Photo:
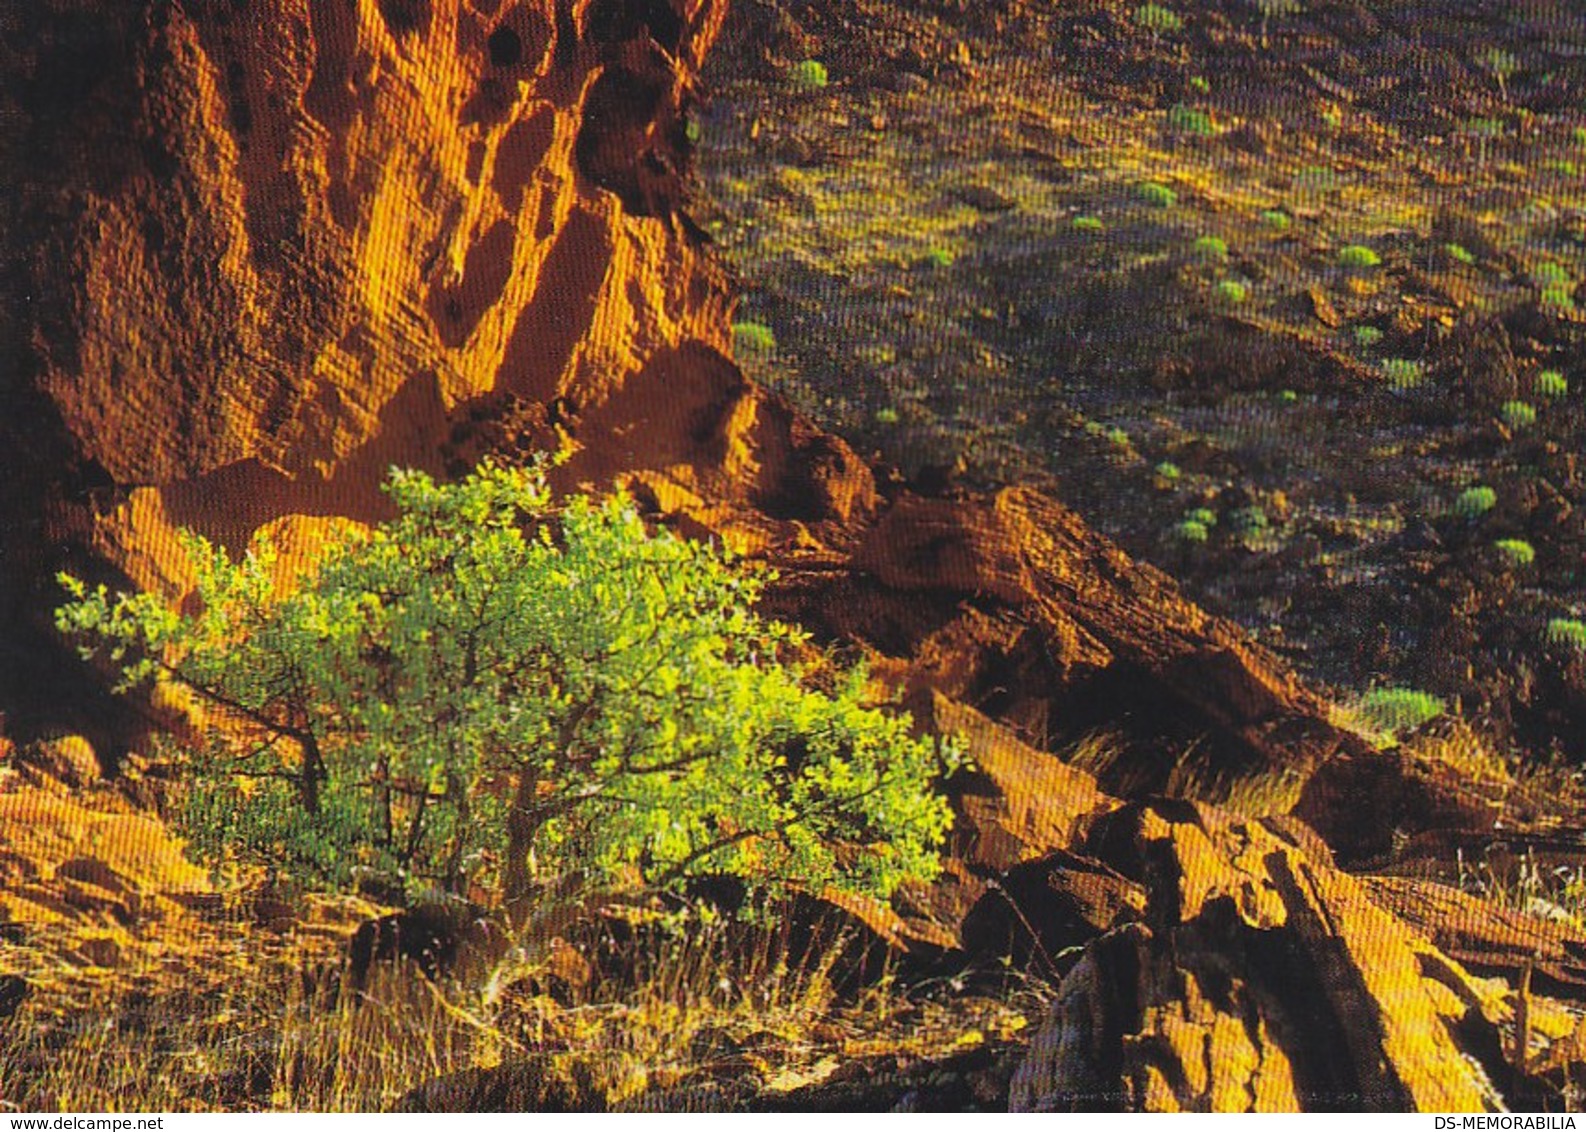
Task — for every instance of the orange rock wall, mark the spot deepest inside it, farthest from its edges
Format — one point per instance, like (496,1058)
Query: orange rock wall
(256,252)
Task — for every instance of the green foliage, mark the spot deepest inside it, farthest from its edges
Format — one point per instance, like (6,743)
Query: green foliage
(753,338)
(1547,273)
(1358,255)
(1199,85)
(1367,336)
(1213,248)
(1459,254)
(1500,64)
(1396,710)
(1288,396)
(493,688)
(939,258)
(811,74)
(1232,292)
(1156,19)
(1191,531)
(1191,120)
(1403,373)
(1271,8)
(1205,516)
(1248,521)
(1157,194)
(1566,634)
(1551,383)
(1484,130)
(1276,219)
(886,416)
(1578,135)
(1475,502)
(1559,295)
(1516,551)
(1517,414)
(1169,471)
(1117,437)
(1278,7)
(1088,224)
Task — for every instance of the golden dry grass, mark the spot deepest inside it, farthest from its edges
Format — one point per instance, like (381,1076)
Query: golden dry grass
(228,1017)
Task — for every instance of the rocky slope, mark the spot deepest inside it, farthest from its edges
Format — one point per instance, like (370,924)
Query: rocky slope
(253,255)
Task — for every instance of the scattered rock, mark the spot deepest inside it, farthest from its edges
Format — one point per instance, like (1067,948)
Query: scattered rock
(69,760)
(535,1083)
(445,939)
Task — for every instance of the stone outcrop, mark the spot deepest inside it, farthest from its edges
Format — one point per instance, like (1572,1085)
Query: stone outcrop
(1260,979)
(68,858)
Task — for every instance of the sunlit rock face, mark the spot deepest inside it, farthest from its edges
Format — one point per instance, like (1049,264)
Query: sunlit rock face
(256,251)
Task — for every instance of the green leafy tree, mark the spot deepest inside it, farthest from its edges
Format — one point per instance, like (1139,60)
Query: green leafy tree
(497,689)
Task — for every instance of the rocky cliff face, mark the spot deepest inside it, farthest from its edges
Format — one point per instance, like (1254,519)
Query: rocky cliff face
(253,253)
(256,253)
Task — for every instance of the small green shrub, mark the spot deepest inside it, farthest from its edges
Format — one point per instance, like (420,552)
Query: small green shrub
(1459,254)
(1156,19)
(811,74)
(1276,219)
(1232,292)
(1205,516)
(1517,414)
(1551,383)
(1358,255)
(1403,373)
(1560,165)
(1516,551)
(1566,633)
(1169,471)
(1157,194)
(753,338)
(1191,120)
(1395,710)
(1500,64)
(1248,521)
(1484,130)
(1367,336)
(1548,273)
(1190,531)
(1199,85)
(1117,437)
(1088,224)
(1560,296)
(1288,396)
(1211,248)
(939,258)
(1475,502)
(1578,135)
